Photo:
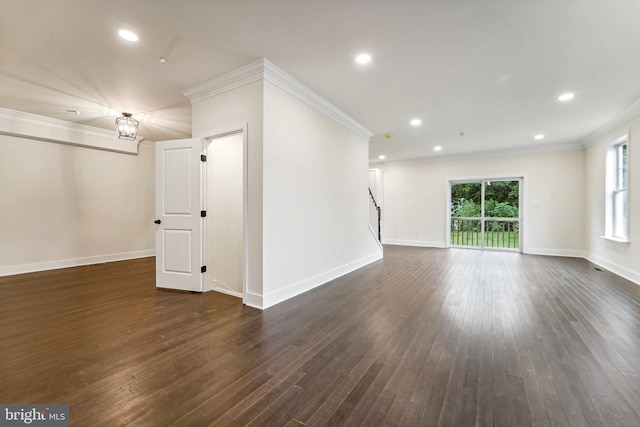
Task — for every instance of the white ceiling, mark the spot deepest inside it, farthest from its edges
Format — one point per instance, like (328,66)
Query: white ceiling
(491,69)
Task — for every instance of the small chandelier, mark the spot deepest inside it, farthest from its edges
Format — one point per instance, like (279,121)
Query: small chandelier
(127,127)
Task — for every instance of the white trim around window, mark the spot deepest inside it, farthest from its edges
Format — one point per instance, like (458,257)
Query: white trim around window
(617,190)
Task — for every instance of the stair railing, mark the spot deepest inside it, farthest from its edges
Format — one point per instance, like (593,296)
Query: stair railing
(375,215)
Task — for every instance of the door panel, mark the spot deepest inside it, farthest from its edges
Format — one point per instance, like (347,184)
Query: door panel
(176,181)
(178,205)
(177,251)
(466,214)
(501,214)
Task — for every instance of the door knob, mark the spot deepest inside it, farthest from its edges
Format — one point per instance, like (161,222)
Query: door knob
(157,221)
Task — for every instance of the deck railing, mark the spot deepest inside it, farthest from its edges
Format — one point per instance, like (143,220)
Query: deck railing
(498,232)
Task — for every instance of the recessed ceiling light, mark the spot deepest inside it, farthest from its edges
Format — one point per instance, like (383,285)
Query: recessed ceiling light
(539,136)
(416,122)
(566,96)
(73,111)
(382,157)
(128,35)
(437,148)
(363,58)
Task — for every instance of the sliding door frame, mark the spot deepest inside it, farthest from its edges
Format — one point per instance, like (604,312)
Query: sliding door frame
(482,218)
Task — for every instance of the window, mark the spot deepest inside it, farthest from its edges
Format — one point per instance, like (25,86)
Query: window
(617,215)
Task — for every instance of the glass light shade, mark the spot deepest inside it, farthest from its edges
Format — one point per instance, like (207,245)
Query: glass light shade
(127,127)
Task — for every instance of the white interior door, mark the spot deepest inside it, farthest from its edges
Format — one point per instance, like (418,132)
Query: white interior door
(178,219)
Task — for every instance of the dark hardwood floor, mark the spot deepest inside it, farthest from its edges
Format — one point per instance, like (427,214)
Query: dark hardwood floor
(424,337)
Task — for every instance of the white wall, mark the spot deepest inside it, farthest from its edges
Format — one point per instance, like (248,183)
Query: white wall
(316,210)
(64,205)
(241,106)
(415,205)
(622,258)
(307,201)
(225,212)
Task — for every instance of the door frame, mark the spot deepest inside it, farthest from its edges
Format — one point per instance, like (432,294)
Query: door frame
(520,179)
(212,135)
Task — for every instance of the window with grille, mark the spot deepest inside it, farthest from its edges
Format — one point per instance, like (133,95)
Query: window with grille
(617,203)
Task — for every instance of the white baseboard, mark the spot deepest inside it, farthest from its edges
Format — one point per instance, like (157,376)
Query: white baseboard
(227,292)
(219,286)
(621,271)
(554,252)
(306,285)
(253,300)
(10,270)
(418,243)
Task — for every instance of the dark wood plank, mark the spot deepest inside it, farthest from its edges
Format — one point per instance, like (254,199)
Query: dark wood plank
(423,337)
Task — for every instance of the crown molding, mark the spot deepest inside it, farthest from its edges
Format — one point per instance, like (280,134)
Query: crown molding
(618,120)
(263,69)
(538,149)
(242,76)
(284,81)
(31,126)
(610,126)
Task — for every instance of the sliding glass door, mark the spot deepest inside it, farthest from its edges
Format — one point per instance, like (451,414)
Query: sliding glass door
(485,214)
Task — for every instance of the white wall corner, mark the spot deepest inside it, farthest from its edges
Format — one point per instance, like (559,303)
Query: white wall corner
(31,126)
(263,69)
(254,300)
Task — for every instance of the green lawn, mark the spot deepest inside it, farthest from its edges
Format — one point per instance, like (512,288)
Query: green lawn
(493,239)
